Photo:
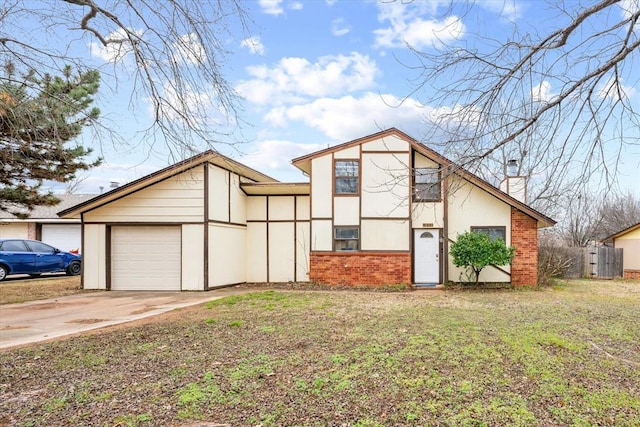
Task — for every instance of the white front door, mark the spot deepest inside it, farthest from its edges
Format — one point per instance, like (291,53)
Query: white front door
(426,256)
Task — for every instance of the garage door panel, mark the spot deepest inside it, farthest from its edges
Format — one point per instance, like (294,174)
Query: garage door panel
(146,258)
(65,237)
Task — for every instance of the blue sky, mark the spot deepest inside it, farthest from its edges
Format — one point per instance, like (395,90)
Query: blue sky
(314,74)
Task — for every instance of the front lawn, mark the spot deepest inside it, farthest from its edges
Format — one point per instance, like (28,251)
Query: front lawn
(563,356)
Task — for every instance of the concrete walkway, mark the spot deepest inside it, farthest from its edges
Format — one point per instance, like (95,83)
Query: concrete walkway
(43,320)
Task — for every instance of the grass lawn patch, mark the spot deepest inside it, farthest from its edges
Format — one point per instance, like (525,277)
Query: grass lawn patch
(568,355)
(15,291)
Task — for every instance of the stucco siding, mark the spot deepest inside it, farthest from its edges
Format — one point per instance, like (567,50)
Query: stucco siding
(238,200)
(348,153)
(631,251)
(421,161)
(281,252)
(94,261)
(426,213)
(281,208)
(302,252)
(257,208)
(384,235)
(321,235)
(227,255)
(15,230)
(385,185)
(470,206)
(176,199)
(256,264)
(346,210)
(321,190)
(388,143)
(192,257)
(218,194)
(302,208)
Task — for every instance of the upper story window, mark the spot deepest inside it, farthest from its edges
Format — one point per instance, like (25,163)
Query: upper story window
(346,176)
(426,185)
(493,232)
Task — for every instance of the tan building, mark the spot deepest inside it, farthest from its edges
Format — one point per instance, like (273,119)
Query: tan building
(629,240)
(377,210)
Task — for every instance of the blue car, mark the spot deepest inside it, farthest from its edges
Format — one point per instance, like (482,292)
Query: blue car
(18,256)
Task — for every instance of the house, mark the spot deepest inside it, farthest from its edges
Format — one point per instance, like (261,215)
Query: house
(381,209)
(45,225)
(629,240)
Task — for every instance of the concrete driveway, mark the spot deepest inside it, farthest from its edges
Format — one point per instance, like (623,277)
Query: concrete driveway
(43,320)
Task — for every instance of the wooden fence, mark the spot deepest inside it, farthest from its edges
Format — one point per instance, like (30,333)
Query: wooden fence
(598,262)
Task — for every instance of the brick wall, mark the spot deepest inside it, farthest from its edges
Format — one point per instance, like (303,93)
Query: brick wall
(359,268)
(631,274)
(524,236)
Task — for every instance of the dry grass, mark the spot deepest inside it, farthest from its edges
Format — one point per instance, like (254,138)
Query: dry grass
(15,291)
(567,355)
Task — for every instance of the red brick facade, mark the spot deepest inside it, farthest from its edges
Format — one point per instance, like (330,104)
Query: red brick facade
(360,268)
(631,274)
(524,236)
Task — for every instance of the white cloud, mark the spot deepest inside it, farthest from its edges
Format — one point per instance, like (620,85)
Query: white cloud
(339,27)
(407,25)
(629,7)
(276,155)
(189,50)
(116,51)
(296,5)
(271,7)
(348,117)
(542,92)
(293,78)
(330,2)
(254,45)
(507,9)
(615,90)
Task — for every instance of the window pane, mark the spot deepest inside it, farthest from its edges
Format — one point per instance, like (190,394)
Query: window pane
(426,175)
(427,192)
(40,247)
(426,184)
(346,245)
(346,168)
(346,185)
(493,232)
(13,246)
(346,233)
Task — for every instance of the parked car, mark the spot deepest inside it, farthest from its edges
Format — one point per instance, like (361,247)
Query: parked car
(19,256)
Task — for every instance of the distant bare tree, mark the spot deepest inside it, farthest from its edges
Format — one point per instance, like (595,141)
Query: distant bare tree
(172,50)
(559,102)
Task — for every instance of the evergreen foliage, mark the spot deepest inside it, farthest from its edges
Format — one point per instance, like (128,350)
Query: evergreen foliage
(40,116)
(476,250)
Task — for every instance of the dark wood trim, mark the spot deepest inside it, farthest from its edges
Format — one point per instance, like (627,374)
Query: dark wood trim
(267,236)
(502,270)
(445,229)
(251,221)
(360,253)
(107,255)
(384,152)
(144,223)
(205,224)
(412,154)
(323,218)
(82,250)
(235,224)
(229,196)
(384,218)
(295,239)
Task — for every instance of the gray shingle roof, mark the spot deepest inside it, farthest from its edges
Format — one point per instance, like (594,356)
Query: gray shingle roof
(48,212)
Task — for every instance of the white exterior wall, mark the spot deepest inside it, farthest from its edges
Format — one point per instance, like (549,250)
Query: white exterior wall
(94,260)
(192,257)
(176,199)
(218,194)
(227,255)
(303,208)
(630,242)
(302,251)
(257,208)
(321,235)
(346,210)
(348,153)
(470,206)
(281,208)
(385,185)
(281,252)
(256,264)
(238,200)
(321,186)
(388,143)
(13,229)
(384,235)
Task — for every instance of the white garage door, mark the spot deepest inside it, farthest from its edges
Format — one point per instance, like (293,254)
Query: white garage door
(14,230)
(65,237)
(145,258)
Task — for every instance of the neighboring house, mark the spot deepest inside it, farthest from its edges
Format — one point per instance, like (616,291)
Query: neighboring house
(629,240)
(44,224)
(377,210)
